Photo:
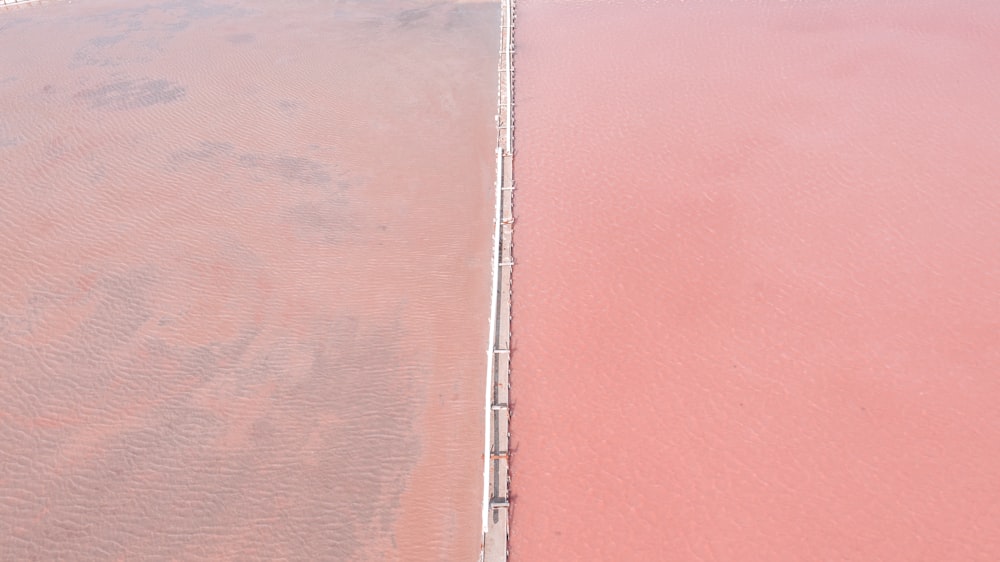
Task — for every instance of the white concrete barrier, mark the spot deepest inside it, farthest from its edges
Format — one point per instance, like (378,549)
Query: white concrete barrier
(496,501)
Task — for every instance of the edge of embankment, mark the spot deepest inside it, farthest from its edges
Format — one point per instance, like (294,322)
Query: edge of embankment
(496,476)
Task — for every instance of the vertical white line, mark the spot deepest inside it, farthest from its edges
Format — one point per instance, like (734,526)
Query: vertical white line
(508,43)
(504,89)
(490,355)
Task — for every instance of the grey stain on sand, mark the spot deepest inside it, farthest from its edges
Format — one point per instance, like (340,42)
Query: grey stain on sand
(321,211)
(289,169)
(461,16)
(288,108)
(205,152)
(240,38)
(107,40)
(295,170)
(133,94)
(8,138)
(99,52)
(302,170)
(413,15)
(140,34)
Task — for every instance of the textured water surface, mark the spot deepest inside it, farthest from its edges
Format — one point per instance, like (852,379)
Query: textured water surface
(757,292)
(244,276)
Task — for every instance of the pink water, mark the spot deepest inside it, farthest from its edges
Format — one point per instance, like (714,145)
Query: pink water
(244,278)
(757,292)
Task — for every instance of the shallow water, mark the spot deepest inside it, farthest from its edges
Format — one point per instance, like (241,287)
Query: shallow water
(245,272)
(756,310)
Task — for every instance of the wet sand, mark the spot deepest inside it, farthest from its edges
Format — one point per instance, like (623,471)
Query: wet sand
(245,278)
(757,291)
